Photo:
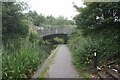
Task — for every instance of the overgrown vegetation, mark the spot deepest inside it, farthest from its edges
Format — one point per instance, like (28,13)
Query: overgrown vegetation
(98,30)
(23,50)
(23,63)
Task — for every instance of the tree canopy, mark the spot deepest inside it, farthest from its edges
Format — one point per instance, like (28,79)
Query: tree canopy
(96,15)
(41,20)
(13,23)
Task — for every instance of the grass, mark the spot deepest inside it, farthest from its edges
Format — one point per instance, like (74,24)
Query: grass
(43,73)
(22,64)
(84,74)
(81,69)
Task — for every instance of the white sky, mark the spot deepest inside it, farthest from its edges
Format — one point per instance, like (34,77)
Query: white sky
(55,7)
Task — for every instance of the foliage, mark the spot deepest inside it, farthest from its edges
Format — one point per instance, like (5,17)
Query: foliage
(33,38)
(23,63)
(98,30)
(42,21)
(13,24)
(83,47)
(37,20)
(96,15)
(23,51)
(59,40)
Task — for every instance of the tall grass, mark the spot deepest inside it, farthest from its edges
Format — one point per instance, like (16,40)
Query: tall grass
(23,63)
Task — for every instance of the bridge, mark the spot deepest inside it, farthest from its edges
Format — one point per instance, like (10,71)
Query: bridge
(54,32)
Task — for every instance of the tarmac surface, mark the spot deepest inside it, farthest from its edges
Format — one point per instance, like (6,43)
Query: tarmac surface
(61,66)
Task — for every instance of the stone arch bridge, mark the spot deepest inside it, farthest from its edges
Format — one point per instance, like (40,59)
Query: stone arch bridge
(52,32)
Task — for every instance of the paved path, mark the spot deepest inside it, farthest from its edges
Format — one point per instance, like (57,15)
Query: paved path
(61,66)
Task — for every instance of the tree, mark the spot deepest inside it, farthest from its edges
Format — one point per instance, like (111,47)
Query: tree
(96,15)
(98,29)
(35,18)
(41,20)
(13,24)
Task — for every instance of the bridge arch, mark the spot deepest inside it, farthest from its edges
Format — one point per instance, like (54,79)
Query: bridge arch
(59,32)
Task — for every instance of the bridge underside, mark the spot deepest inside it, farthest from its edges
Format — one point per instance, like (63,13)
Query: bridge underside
(55,35)
(63,36)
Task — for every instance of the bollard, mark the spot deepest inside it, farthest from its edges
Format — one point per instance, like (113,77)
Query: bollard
(95,61)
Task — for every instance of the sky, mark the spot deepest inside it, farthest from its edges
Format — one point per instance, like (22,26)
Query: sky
(55,7)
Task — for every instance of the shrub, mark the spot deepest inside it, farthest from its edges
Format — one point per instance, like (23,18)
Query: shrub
(104,41)
(23,63)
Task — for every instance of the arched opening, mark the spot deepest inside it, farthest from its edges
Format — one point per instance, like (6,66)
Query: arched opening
(56,38)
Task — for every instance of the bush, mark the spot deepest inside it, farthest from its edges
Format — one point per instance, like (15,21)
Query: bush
(59,40)
(23,63)
(104,41)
